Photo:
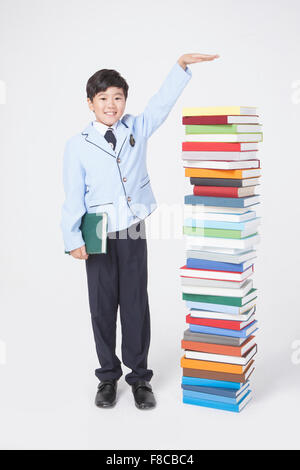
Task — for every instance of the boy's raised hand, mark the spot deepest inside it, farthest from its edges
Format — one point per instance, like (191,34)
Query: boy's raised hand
(79,253)
(187,59)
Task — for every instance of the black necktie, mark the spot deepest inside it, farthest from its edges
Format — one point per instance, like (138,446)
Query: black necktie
(110,137)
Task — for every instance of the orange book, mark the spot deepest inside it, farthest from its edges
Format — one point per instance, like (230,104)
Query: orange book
(212,375)
(237,351)
(213,366)
(209,173)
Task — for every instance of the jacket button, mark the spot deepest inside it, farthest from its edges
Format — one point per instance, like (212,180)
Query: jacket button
(118,160)
(129,199)
(124,179)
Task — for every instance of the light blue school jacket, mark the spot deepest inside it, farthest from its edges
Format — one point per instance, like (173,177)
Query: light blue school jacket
(97,178)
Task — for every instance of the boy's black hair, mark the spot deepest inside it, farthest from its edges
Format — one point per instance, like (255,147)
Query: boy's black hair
(103,79)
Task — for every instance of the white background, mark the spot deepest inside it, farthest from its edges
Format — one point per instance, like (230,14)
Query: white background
(48,50)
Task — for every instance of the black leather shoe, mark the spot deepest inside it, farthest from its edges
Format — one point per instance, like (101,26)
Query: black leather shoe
(106,394)
(143,395)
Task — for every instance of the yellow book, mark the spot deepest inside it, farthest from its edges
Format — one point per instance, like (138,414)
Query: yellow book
(233,174)
(220,111)
(212,366)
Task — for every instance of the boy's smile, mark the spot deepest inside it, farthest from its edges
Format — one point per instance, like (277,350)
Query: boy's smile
(108,105)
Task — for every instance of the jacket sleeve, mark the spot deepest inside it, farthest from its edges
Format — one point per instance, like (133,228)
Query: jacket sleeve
(74,207)
(163,101)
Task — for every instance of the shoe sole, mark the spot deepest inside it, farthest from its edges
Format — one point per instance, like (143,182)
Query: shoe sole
(143,407)
(108,405)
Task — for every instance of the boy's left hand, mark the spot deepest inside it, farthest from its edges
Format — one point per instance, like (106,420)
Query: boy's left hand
(187,59)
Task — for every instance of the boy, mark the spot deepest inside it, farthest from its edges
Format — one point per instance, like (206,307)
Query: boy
(105,171)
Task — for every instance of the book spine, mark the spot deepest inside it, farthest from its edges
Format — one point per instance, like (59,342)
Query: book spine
(212,146)
(217,191)
(195,263)
(212,232)
(231,325)
(200,120)
(236,183)
(206,129)
(212,348)
(216,201)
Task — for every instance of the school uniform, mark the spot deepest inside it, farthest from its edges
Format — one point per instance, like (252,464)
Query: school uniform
(98,178)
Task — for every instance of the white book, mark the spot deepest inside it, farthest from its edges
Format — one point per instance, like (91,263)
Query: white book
(214,249)
(218,217)
(223,137)
(199,208)
(242,361)
(207,155)
(221,275)
(221,316)
(197,281)
(223,243)
(226,292)
(245,257)
(221,164)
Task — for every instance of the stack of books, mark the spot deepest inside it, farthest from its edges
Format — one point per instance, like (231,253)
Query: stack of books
(220,156)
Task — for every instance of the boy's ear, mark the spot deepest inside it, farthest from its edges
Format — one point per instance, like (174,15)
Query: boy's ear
(90,104)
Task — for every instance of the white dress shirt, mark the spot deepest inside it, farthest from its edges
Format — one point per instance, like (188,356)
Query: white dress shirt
(102,128)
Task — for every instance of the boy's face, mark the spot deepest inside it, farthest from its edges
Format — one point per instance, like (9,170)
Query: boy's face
(108,105)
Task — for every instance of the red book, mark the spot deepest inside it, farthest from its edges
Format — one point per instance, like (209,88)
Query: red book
(211,120)
(223,191)
(228,324)
(215,146)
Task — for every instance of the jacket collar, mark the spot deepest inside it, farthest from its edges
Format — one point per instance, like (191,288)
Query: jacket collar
(93,136)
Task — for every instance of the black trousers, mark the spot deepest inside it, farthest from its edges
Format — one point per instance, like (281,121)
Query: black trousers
(119,278)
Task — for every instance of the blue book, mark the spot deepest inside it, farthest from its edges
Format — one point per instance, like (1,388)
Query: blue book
(222,392)
(218,307)
(196,263)
(209,397)
(190,222)
(244,333)
(219,405)
(210,383)
(222,201)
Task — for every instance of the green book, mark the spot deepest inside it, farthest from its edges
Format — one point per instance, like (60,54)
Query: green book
(212,232)
(94,232)
(219,299)
(223,129)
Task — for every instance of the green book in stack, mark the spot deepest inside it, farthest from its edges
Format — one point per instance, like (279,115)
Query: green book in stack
(223,129)
(219,299)
(94,232)
(216,232)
